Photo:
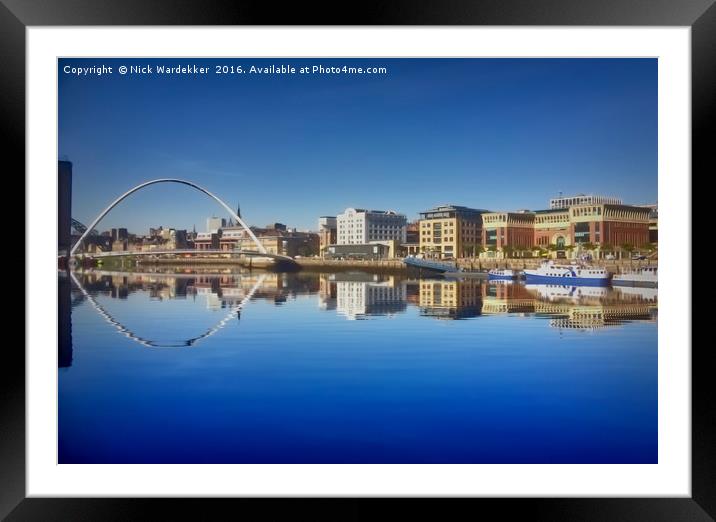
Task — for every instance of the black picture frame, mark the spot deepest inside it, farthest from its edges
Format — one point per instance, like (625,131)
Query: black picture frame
(700,15)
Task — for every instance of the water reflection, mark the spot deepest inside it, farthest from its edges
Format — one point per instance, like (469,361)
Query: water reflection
(451,298)
(216,299)
(353,295)
(178,365)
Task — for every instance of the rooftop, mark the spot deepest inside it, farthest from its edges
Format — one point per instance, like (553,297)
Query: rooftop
(454,208)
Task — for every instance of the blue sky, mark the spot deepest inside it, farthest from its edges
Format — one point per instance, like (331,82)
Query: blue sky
(501,134)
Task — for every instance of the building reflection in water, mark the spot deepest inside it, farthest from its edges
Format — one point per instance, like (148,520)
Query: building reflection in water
(589,308)
(450,298)
(355,296)
(361,295)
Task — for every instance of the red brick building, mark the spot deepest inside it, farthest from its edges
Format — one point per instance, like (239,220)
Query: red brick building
(511,229)
(610,224)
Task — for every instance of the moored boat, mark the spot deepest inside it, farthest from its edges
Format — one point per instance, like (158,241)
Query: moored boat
(549,272)
(502,273)
(645,276)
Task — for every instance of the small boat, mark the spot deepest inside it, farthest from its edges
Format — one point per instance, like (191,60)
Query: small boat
(570,275)
(502,273)
(646,276)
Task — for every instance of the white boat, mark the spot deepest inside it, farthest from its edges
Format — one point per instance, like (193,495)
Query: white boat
(502,273)
(549,272)
(646,276)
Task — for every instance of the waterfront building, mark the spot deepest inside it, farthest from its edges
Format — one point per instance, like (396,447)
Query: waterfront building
(552,227)
(358,226)
(327,232)
(582,199)
(412,239)
(206,241)
(450,231)
(611,224)
(597,224)
(275,241)
(653,222)
(64,206)
(508,229)
(366,251)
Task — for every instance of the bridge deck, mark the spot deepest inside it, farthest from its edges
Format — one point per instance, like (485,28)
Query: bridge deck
(183,252)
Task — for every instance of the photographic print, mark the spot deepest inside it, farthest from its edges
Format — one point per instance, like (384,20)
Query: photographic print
(357,261)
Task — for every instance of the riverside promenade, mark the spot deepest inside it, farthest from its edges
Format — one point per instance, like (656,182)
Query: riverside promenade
(392,265)
(468,264)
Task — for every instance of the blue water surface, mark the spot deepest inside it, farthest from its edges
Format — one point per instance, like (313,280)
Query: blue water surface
(354,368)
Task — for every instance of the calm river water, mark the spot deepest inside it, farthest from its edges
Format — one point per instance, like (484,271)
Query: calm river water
(260,367)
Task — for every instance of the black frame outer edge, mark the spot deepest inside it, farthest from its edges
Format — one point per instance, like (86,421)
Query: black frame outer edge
(15,15)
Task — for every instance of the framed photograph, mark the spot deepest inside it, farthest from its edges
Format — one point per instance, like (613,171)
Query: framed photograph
(415,257)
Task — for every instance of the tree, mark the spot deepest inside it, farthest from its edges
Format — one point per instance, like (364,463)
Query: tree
(552,247)
(588,246)
(507,250)
(628,247)
(479,250)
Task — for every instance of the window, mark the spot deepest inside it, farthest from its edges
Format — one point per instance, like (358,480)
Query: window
(581,232)
(491,237)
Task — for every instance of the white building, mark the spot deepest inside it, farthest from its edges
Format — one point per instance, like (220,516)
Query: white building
(213,224)
(582,199)
(358,226)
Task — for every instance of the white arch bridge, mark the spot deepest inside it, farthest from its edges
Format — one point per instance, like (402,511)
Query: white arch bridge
(260,249)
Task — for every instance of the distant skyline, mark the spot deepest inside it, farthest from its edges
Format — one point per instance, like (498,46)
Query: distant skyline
(500,134)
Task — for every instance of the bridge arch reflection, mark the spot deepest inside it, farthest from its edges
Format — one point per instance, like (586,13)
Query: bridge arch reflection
(148,343)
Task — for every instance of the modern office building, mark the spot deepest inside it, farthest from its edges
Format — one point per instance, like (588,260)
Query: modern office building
(449,231)
(582,199)
(597,224)
(508,229)
(552,227)
(64,206)
(610,224)
(358,226)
